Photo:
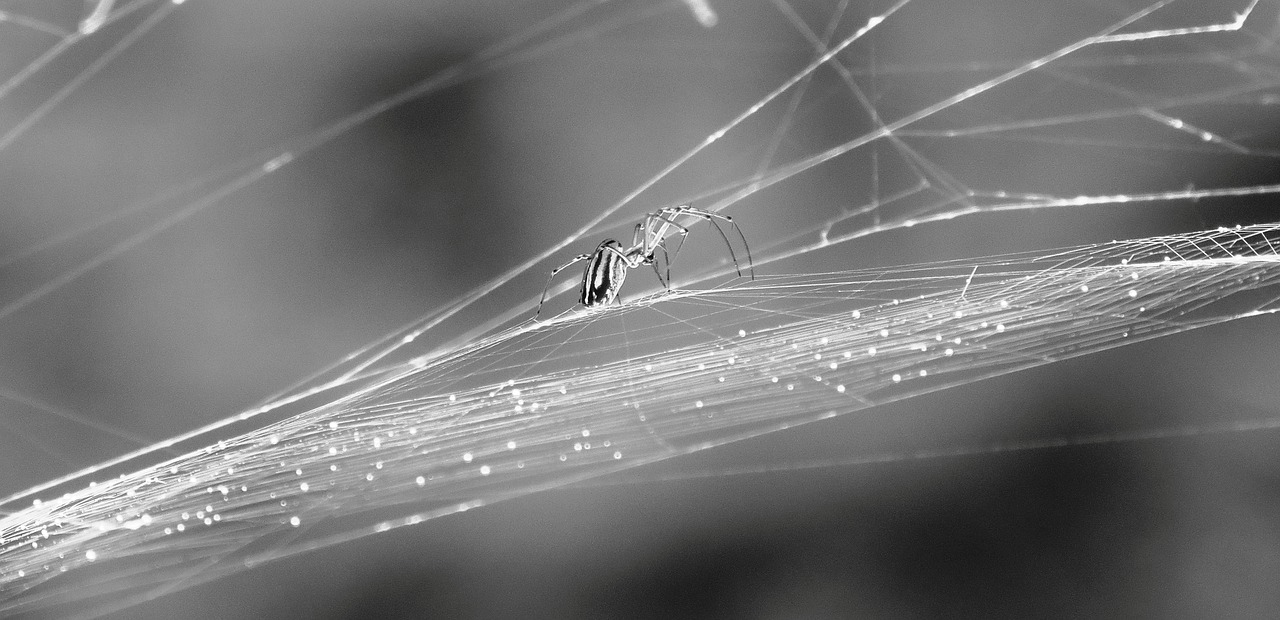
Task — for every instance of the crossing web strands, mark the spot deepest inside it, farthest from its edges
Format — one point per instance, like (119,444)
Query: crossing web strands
(824,128)
(546,404)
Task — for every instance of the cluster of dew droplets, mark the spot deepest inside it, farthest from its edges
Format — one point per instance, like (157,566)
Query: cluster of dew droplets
(537,407)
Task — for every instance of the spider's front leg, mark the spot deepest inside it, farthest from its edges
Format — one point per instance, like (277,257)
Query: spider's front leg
(711,217)
(656,226)
(641,254)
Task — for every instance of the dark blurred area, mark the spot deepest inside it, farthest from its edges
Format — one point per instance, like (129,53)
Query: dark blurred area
(421,204)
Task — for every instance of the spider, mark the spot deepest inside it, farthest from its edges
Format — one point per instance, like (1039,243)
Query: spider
(607,266)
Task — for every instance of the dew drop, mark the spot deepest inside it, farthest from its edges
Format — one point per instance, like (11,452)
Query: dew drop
(897,377)
(91,555)
(466,457)
(840,388)
(1133,293)
(305,487)
(485,470)
(420,480)
(295,521)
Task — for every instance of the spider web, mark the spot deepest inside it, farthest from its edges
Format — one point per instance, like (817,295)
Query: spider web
(543,405)
(855,132)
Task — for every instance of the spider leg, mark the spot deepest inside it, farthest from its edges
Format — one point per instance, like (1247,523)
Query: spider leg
(712,217)
(666,260)
(577,259)
(659,241)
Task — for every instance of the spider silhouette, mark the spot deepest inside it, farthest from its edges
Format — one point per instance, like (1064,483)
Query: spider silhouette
(607,266)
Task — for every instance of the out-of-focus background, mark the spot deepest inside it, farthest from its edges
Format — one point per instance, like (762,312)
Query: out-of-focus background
(398,215)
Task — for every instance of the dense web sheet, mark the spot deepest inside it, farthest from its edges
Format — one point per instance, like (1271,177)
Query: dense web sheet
(593,392)
(852,129)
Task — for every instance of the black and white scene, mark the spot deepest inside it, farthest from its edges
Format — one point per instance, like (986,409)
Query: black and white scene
(639,309)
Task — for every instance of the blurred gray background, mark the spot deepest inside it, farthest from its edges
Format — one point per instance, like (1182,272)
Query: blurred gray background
(421,204)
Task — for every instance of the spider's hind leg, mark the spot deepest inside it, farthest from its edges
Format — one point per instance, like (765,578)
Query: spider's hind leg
(577,259)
